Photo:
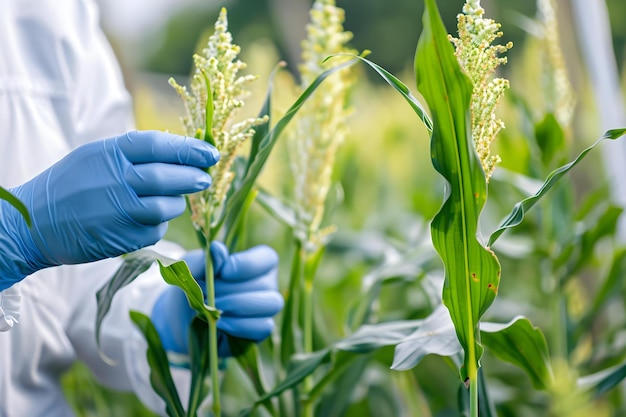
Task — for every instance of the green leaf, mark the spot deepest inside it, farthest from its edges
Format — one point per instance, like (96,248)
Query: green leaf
(160,375)
(519,211)
(374,336)
(400,87)
(290,331)
(260,132)
(265,146)
(199,365)
(246,352)
(602,382)
(299,368)
(133,265)
(522,344)
(436,336)
(550,139)
(277,208)
(15,202)
(472,272)
(178,274)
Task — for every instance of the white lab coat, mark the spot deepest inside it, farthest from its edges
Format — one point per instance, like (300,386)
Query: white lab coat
(60,86)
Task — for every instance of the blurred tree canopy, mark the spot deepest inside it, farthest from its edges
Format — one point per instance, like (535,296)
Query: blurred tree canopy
(389,29)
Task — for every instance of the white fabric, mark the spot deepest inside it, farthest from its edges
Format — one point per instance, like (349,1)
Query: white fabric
(9,308)
(60,87)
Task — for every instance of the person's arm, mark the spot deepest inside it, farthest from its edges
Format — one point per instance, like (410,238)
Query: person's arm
(104,199)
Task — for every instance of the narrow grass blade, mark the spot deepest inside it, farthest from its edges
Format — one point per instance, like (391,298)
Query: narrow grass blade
(178,274)
(277,208)
(401,88)
(15,202)
(366,340)
(472,272)
(133,265)
(519,211)
(160,375)
(522,344)
(260,132)
(246,352)
(602,382)
(290,330)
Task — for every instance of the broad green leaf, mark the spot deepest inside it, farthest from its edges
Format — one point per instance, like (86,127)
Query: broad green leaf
(160,375)
(374,336)
(436,336)
(265,146)
(602,382)
(522,344)
(401,88)
(199,365)
(519,211)
(472,272)
(178,274)
(15,202)
(133,265)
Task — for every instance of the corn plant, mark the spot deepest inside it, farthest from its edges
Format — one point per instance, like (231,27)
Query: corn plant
(461,100)
(216,92)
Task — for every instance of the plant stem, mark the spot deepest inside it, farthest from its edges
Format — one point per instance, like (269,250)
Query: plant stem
(473,397)
(210,293)
(307,306)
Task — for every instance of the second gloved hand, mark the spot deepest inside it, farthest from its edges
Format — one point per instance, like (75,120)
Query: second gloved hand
(103,199)
(246,292)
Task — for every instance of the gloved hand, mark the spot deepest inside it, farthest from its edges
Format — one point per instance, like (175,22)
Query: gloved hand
(246,291)
(104,199)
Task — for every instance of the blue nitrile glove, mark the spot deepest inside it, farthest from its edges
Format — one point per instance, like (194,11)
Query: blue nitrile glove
(104,199)
(246,291)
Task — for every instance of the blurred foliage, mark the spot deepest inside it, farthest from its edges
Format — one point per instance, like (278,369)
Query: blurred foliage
(389,32)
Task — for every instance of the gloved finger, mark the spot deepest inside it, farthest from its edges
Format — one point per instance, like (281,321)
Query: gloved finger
(158,178)
(219,255)
(153,210)
(256,329)
(141,147)
(250,304)
(242,266)
(196,264)
(263,282)
(147,236)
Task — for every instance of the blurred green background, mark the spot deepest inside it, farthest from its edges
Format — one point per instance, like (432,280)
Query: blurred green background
(387,190)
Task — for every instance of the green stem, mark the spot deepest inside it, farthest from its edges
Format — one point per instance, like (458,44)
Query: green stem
(307,329)
(210,292)
(473,397)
